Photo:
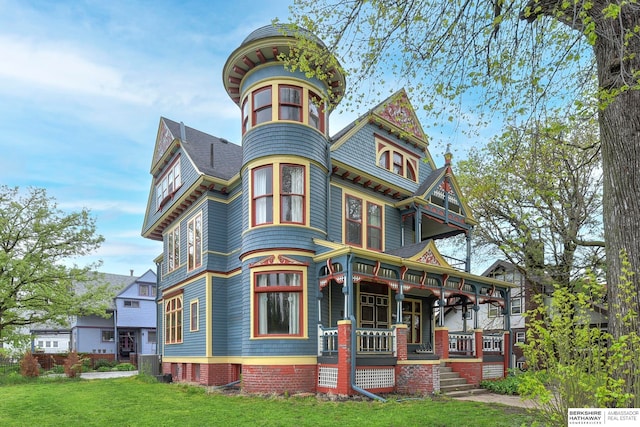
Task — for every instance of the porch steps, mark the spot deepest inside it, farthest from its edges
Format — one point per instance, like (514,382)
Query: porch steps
(452,385)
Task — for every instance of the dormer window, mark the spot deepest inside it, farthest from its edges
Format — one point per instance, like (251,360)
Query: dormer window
(396,159)
(168,184)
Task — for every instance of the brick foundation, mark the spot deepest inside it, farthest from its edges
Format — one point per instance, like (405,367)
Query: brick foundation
(279,378)
(417,379)
(470,371)
(203,373)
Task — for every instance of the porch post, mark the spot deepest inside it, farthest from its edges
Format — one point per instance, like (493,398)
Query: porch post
(442,342)
(467,264)
(344,358)
(506,344)
(479,343)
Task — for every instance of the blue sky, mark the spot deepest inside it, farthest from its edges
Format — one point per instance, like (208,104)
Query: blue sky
(83,85)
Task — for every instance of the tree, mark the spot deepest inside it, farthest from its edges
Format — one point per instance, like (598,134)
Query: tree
(517,56)
(537,195)
(36,241)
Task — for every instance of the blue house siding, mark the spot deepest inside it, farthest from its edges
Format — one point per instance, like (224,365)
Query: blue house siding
(318,198)
(277,71)
(392,228)
(290,139)
(336,214)
(360,152)
(236,310)
(194,342)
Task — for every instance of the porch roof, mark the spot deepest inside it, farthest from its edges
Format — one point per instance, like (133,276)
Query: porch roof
(451,281)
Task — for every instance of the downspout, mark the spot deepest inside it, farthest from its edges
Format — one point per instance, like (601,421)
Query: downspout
(353,320)
(328,203)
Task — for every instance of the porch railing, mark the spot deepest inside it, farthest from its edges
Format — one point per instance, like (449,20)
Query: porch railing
(368,341)
(327,341)
(462,344)
(375,341)
(493,343)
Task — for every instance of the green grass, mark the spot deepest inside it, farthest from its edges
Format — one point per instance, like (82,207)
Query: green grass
(137,401)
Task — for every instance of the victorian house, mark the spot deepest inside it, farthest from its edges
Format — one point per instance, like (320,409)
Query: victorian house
(300,262)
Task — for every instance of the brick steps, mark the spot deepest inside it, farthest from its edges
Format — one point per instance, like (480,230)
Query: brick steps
(451,384)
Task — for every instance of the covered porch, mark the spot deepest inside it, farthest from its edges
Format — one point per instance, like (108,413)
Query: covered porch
(381,322)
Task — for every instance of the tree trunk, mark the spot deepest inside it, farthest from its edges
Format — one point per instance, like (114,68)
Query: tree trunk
(620,139)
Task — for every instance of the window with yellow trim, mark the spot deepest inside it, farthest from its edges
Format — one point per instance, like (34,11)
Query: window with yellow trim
(173,249)
(293,102)
(396,159)
(356,224)
(278,303)
(412,317)
(168,184)
(173,320)
(194,242)
(288,187)
(194,316)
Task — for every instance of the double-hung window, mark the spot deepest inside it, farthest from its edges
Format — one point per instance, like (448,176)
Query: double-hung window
(194,242)
(263,195)
(278,303)
(262,105)
(290,100)
(173,248)
(355,223)
(292,194)
(316,112)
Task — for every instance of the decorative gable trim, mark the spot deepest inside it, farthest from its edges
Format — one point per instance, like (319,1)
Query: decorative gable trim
(163,141)
(430,255)
(399,112)
(277,260)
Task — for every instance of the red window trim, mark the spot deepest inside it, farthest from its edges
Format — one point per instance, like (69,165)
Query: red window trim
(290,104)
(255,109)
(304,188)
(254,198)
(369,226)
(347,221)
(269,289)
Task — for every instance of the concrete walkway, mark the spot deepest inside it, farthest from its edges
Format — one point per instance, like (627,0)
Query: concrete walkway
(106,375)
(502,399)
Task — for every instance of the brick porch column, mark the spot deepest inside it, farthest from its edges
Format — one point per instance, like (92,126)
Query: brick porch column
(344,358)
(479,345)
(401,341)
(506,344)
(442,342)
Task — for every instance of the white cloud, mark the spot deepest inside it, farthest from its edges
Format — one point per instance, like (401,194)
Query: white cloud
(60,67)
(98,205)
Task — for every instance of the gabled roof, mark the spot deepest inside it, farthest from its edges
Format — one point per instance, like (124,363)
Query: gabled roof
(148,278)
(212,156)
(424,251)
(499,264)
(445,180)
(395,114)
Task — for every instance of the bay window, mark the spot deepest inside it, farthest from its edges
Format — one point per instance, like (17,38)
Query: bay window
(278,303)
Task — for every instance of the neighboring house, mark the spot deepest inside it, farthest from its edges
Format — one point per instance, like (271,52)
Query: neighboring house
(300,262)
(130,325)
(491,317)
(51,339)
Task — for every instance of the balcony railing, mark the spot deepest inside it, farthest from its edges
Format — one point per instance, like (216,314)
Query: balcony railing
(462,344)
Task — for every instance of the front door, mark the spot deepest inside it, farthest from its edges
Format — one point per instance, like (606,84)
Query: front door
(374,311)
(126,343)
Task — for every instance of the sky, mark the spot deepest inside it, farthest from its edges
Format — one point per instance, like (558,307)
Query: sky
(83,85)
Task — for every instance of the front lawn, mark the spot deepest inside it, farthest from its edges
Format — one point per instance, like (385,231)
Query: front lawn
(136,401)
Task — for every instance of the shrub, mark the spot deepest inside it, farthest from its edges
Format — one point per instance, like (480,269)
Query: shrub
(104,363)
(73,365)
(29,366)
(125,367)
(103,369)
(508,385)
